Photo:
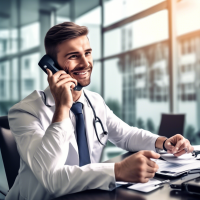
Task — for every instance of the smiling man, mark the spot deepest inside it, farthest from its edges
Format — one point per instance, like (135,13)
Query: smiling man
(58,140)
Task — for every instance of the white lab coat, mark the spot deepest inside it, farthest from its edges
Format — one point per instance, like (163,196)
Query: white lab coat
(49,163)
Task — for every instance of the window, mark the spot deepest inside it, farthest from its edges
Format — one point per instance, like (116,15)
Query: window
(29,84)
(4,42)
(30,36)
(145,30)
(124,9)
(2,88)
(30,71)
(27,63)
(2,70)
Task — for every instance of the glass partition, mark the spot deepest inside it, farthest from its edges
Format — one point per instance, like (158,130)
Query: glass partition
(113,87)
(139,92)
(30,78)
(30,36)
(188,68)
(125,8)
(145,31)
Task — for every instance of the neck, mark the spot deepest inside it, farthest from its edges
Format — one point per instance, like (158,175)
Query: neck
(76,95)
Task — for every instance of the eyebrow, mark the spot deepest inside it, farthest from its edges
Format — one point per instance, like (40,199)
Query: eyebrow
(76,52)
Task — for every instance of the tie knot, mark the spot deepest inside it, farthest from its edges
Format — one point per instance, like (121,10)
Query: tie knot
(77,108)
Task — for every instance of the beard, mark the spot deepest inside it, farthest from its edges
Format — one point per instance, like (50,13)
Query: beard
(86,82)
(83,81)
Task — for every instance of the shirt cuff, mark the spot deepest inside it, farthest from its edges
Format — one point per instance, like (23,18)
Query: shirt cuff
(110,170)
(153,142)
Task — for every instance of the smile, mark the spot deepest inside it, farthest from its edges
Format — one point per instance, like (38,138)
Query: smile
(80,73)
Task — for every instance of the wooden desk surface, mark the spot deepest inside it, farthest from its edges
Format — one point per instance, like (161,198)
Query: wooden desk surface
(122,193)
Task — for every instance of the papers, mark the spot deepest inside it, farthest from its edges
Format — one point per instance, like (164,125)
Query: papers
(175,169)
(146,187)
(184,159)
(174,166)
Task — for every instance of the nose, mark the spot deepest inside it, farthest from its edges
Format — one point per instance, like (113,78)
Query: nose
(84,62)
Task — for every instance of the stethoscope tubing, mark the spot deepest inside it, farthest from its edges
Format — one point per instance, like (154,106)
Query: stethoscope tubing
(96,119)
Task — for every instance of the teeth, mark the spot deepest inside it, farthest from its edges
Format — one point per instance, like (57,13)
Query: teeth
(81,73)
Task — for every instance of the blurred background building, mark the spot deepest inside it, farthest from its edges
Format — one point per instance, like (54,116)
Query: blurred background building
(146,56)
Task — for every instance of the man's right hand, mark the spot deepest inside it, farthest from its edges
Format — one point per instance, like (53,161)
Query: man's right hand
(61,85)
(137,167)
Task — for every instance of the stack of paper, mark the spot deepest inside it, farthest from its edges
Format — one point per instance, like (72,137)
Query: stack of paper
(173,166)
(184,159)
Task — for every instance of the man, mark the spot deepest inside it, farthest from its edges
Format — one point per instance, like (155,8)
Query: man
(60,156)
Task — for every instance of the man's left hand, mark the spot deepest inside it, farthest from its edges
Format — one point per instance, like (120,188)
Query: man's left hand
(178,145)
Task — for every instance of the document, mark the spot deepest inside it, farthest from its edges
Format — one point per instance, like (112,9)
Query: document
(183,159)
(151,185)
(175,169)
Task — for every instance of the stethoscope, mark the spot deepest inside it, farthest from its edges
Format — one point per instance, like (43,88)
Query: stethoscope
(95,120)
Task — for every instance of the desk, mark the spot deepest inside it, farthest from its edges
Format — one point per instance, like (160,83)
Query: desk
(122,193)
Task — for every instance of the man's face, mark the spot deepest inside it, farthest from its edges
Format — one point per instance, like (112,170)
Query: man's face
(75,57)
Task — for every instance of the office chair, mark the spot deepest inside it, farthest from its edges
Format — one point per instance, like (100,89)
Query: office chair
(171,124)
(10,156)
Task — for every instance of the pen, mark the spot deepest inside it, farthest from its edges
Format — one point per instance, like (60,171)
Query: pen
(195,153)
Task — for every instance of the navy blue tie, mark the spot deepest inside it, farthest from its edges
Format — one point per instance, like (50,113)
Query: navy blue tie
(84,157)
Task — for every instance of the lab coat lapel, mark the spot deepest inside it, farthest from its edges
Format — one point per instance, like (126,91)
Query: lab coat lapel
(88,115)
(50,102)
(74,142)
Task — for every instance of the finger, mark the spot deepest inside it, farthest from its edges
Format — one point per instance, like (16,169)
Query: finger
(183,146)
(49,74)
(69,85)
(178,145)
(54,78)
(190,149)
(66,77)
(151,163)
(150,154)
(187,146)
(145,180)
(62,82)
(180,153)
(149,175)
(151,169)
(169,151)
(169,145)
(72,85)
(59,73)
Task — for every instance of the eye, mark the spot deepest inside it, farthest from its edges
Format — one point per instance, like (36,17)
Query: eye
(88,53)
(73,56)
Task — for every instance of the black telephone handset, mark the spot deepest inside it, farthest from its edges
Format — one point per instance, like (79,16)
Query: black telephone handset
(47,62)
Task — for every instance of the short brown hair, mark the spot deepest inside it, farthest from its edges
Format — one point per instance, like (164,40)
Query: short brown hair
(59,33)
